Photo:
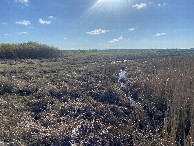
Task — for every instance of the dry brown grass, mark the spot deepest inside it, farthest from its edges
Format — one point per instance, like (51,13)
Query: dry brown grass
(76,100)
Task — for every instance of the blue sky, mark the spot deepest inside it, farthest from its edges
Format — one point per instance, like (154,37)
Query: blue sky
(99,24)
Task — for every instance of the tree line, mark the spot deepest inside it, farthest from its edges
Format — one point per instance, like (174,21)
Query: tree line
(29,50)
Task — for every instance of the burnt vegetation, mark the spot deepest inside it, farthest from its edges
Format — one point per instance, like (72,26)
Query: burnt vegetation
(75,98)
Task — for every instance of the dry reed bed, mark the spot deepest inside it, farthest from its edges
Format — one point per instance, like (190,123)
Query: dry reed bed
(73,100)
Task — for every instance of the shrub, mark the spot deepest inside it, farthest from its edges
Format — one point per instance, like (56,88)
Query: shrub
(31,50)
(5,88)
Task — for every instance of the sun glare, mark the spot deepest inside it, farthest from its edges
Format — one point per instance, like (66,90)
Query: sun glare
(112,3)
(99,1)
(107,5)
(106,1)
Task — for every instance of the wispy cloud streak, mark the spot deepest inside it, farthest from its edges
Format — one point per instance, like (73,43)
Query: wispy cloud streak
(116,40)
(139,6)
(97,31)
(160,34)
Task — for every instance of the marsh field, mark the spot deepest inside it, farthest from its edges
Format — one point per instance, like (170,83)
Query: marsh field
(76,98)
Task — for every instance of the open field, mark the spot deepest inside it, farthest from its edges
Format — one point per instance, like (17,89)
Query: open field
(76,98)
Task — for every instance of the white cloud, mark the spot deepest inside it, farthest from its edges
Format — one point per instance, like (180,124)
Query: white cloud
(6,34)
(65,38)
(44,22)
(51,17)
(131,29)
(98,31)
(23,1)
(4,23)
(24,22)
(159,34)
(22,33)
(116,40)
(139,6)
(164,4)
